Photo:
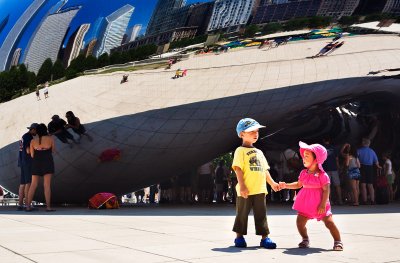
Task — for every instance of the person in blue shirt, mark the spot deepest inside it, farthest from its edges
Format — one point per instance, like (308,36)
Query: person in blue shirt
(368,159)
(25,163)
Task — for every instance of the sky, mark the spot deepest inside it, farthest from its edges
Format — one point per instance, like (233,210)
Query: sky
(90,11)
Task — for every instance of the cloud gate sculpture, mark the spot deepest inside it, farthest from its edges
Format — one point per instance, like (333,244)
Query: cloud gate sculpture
(163,127)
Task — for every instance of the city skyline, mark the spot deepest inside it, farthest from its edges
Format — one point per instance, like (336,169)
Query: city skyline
(88,14)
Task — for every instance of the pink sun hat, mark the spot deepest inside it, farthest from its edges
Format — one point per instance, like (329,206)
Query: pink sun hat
(319,151)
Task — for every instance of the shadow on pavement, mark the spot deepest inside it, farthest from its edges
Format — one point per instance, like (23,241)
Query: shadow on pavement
(233,249)
(304,251)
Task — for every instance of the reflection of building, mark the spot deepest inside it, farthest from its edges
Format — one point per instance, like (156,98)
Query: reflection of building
(378,6)
(160,39)
(16,32)
(90,48)
(160,20)
(75,44)
(47,41)
(16,56)
(230,15)
(270,11)
(3,23)
(113,30)
(337,9)
(393,7)
(199,16)
(133,33)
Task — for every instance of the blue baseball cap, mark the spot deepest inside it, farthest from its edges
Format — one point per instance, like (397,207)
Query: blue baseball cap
(247,125)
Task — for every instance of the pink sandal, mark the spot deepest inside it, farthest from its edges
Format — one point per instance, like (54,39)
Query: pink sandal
(305,243)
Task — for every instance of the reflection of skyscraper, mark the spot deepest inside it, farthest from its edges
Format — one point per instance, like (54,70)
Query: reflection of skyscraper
(16,56)
(90,48)
(75,44)
(112,33)
(230,15)
(133,33)
(378,6)
(159,21)
(47,41)
(16,32)
(3,23)
(337,9)
(95,29)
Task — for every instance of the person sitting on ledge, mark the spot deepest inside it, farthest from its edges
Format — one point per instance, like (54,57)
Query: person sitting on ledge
(57,128)
(124,78)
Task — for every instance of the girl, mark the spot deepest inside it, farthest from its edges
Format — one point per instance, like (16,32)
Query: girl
(41,149)
(388,172)
(312,202)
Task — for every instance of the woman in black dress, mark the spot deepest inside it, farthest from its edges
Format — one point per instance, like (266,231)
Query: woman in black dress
(41,149)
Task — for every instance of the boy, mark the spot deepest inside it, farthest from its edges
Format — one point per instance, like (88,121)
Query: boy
(251,170)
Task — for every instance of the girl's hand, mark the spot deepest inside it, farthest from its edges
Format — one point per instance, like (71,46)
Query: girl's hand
(282,185)
(321,209)
(244,192)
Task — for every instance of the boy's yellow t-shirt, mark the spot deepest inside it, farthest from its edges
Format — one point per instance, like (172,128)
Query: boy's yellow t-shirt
(254,166)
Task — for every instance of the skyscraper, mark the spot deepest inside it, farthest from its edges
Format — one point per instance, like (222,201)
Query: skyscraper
(47,40)
(8,46)
(230,14)
(159,21)
(112,32)
(75,44)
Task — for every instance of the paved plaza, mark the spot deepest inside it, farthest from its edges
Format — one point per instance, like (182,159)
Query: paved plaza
(191,234)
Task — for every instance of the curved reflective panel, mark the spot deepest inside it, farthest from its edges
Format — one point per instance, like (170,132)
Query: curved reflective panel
(164,127)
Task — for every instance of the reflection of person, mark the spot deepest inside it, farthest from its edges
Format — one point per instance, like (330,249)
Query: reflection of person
(25,162)
(76,125)
(251,170)
(37,94)
(57,128)
(312,202)
(46,90)
(41,150)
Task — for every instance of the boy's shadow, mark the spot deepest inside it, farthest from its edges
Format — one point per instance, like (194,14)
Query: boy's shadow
(233,249)
(304,251)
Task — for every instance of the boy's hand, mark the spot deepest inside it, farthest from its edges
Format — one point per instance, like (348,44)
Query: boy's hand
(244,192)
(275,187)
(282,185)
(321,209)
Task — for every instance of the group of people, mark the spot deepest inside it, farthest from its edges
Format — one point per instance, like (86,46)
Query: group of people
(36,156)
(274,43)
(179,73)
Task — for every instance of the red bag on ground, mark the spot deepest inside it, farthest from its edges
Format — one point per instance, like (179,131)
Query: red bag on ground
(109,155)
(103,201)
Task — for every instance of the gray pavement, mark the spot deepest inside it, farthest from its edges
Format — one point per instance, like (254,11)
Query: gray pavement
(191,234)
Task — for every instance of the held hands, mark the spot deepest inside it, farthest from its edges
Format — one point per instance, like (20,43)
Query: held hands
(276,187)
(282,185)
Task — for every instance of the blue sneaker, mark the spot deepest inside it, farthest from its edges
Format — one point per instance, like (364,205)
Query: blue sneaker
(240,242)
(267,243)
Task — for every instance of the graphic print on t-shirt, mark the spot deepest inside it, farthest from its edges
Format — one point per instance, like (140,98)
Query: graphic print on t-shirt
(254,162)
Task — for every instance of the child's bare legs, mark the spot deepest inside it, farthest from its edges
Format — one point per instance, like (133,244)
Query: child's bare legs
(301,226)
(328,220)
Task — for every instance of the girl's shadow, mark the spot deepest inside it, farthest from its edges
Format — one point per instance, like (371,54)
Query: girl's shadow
(304,251)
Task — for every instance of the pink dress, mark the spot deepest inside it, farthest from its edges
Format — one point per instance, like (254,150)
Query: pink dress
(309,197)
